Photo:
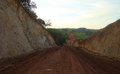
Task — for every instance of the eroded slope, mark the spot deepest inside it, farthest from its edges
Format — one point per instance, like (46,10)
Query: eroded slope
(106,41)
(19,32)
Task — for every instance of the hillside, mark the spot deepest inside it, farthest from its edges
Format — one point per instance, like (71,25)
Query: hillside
(105,42)
(19,32)
(82,33)
(60,35)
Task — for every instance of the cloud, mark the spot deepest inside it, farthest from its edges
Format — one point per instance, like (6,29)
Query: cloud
(78,13)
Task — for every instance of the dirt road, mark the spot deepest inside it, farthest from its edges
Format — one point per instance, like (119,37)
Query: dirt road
(64,60)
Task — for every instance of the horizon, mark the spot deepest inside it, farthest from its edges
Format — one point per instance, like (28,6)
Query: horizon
(94,14)
(74,28)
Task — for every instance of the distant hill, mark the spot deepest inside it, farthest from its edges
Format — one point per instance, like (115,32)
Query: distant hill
(60,35)
(81,33)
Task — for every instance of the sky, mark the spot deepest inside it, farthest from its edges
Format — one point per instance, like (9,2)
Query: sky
(92,14)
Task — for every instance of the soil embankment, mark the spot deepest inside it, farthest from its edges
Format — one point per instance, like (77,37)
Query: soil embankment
(19,32)
(106,42)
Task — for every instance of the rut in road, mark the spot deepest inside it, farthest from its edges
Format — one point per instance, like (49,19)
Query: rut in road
(64,60)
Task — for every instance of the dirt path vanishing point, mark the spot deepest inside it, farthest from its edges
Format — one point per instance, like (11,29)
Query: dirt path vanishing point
(64,60)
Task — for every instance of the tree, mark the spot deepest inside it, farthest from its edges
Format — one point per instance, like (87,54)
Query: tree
(41,21)
(44,23)
(33,5)
(48,23)
(59,36)
(28,4)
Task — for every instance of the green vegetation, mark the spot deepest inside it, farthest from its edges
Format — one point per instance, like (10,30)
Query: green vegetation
(60,35)
(80,35)
(83,33)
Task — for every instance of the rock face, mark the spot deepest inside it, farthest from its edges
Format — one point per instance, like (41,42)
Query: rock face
(106,41)
(19,32)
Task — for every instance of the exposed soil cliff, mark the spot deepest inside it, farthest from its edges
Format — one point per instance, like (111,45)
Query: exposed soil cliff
(106,41)
(19,32)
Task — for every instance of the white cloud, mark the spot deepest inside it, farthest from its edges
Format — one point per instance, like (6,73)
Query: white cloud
(77,13)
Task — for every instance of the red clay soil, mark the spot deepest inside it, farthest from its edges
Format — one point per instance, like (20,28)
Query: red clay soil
(64,60)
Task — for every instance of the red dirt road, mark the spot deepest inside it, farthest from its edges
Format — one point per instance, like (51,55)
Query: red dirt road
(64,60)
